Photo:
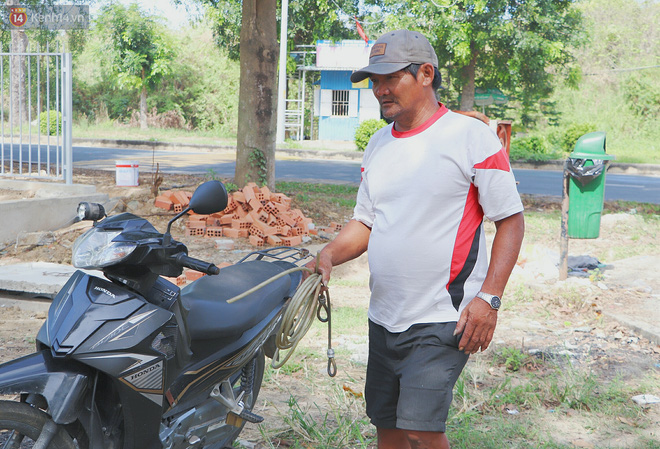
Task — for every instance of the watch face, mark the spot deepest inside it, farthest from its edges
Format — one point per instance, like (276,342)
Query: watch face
(495,302)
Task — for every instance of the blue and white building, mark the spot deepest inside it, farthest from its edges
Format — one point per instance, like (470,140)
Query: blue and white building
(339,104)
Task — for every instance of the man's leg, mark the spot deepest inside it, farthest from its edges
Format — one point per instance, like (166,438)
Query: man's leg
(411,439)
(392,439)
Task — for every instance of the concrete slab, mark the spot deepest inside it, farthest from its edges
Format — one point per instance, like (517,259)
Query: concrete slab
(52,207)
(37,278)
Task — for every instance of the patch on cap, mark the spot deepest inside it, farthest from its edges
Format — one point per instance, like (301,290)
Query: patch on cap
(377,50)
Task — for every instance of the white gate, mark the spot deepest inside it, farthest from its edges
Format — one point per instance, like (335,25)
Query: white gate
(36,115)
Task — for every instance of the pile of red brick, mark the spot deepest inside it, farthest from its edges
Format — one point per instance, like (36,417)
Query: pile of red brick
(262,216)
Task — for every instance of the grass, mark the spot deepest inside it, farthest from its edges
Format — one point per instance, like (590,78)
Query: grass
(507,397)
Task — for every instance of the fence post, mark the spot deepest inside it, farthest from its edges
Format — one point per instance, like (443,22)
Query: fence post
(67,116)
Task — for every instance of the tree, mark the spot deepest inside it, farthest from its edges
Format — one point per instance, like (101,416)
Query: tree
(136,50)
(256,44)
(255,155)
(309,21)
(515,45)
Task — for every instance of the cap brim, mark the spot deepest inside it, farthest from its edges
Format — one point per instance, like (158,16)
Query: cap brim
(382,68)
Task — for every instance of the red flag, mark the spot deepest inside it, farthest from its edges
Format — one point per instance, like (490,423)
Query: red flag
(361,31)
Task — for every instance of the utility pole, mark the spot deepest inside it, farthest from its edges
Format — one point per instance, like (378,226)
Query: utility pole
(281,89)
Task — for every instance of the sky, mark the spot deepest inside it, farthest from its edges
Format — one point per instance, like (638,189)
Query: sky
(175,15)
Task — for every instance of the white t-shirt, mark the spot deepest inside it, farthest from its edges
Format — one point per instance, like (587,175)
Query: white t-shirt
(424,193)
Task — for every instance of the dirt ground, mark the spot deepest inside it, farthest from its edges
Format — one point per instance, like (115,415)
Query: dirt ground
(569,322)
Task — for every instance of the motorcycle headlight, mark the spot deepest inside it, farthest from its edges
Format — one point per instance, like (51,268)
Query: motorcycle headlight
(96,249)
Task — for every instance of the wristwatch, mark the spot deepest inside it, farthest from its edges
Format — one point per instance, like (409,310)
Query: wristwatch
(494,301)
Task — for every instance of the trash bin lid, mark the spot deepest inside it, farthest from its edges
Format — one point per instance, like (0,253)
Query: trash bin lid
(591,146)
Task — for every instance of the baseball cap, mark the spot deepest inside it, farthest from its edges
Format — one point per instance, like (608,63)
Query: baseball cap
(394,51)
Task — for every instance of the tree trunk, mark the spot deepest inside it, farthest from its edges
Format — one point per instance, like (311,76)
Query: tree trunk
(255,155)
(467,93)
(19,44)
(143,108)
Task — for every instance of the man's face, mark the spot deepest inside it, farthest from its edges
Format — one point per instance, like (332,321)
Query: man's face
(397,93)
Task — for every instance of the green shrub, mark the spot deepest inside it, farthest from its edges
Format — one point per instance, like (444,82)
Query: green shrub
(50,123)
(367,129)
(529,148)
(572,133)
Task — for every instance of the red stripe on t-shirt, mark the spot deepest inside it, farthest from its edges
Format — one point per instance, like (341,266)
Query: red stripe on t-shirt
(472,217)
(498,161)
(442,110)
(361,171)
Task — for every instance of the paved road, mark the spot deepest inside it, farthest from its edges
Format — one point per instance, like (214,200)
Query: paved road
(536,182)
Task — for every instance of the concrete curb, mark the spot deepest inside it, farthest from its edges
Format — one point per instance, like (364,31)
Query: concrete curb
(558,165)
(176,146)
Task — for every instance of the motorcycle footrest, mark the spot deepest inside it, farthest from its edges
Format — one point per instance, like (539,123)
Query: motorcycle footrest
(251,417)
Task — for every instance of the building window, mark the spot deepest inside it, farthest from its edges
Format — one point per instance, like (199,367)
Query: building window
(340,102)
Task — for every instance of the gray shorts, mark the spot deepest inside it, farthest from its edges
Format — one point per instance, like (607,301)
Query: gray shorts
(411,375)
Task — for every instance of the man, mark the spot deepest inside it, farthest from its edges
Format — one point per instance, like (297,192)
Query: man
(428,179)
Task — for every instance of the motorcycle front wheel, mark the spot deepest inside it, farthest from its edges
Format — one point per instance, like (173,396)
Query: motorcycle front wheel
(21,425)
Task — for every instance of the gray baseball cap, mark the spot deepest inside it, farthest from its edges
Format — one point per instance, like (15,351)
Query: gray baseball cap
(394,51)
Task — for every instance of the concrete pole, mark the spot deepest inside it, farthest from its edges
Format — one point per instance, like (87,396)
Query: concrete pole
(281,89)
(563,243)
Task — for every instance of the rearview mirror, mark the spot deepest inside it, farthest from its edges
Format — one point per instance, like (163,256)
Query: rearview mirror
(209,198)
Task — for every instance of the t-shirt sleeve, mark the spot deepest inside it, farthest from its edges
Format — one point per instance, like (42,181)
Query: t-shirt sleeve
(363,210)
(494,179)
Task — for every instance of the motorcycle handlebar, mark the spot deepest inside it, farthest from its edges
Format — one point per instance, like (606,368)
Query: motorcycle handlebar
(196,264)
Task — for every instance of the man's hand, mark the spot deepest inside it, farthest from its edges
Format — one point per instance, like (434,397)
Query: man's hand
(321,264)
(477,322)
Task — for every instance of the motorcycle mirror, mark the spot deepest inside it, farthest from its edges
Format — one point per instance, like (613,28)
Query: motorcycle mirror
(209,198)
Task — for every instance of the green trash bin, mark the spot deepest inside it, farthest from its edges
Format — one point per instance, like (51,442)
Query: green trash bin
(586,166)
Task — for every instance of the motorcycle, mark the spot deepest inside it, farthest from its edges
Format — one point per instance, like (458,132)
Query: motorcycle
(132,360)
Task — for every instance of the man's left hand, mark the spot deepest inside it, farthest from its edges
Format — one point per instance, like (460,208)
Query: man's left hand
(477,322)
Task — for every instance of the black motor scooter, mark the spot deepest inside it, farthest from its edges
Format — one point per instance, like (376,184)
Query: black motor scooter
(132,361)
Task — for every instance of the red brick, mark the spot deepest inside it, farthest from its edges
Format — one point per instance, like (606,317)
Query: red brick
(230,232)
(274,240)
(226,219)
(239,197)
(177,208)
(335,227)
(194,224)
(214,232)
(243,223)
(256,240)
(266,192)
(163,203)
(191,232)
(198,217)
(256,205)
(180,198)
(231,205)
(192,276)
(292,241)
(287,219)
(181,280)
(249,194)
(253,230)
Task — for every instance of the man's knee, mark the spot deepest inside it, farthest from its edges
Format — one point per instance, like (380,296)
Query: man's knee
(427,440)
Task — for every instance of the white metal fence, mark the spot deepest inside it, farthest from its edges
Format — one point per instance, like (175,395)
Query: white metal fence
(35,115)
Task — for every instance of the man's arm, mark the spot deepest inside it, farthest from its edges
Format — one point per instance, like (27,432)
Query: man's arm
(350,243)
(478,319)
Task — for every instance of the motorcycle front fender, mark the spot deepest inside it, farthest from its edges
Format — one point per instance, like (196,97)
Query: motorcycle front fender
(62,384)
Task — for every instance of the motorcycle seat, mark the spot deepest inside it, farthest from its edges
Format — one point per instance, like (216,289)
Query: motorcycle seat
(211,317)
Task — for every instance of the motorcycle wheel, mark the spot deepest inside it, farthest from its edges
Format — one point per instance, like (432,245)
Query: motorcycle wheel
(21,424)
(249,401)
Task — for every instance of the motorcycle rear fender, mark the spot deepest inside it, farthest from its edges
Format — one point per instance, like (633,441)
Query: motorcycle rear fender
(62,386)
